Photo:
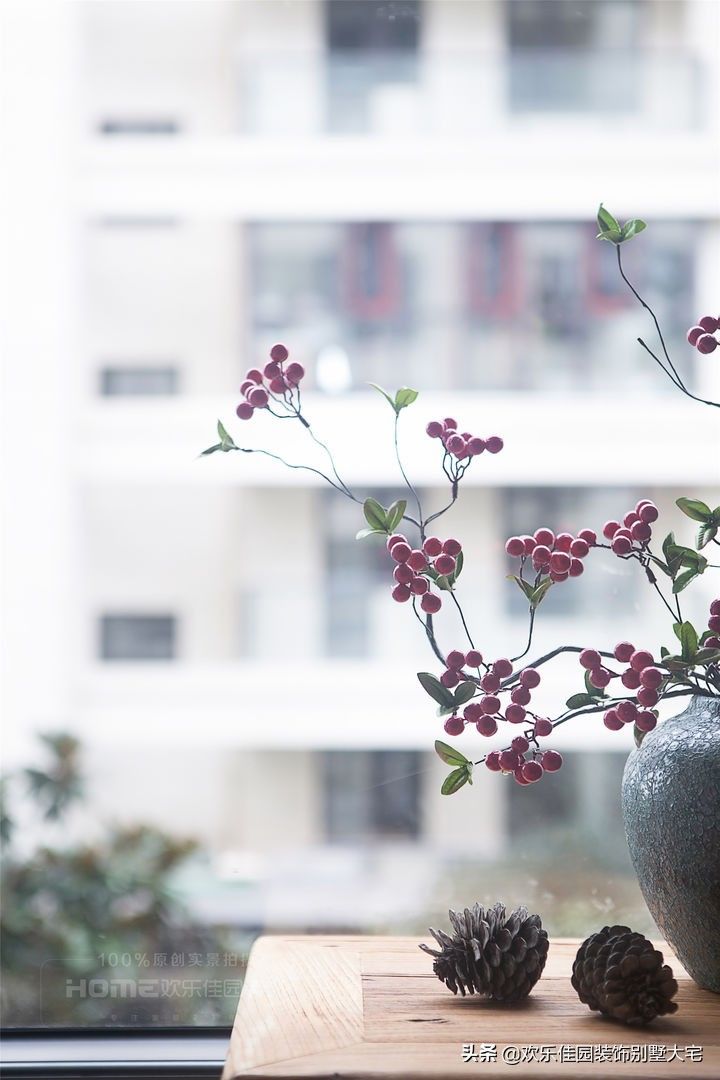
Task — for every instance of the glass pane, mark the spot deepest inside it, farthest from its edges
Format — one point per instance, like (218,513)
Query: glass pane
(214,726)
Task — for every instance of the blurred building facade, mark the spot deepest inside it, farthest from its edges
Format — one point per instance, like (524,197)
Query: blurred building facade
(402,191)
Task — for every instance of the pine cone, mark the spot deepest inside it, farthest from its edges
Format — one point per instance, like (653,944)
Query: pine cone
(619,973)
(490,954)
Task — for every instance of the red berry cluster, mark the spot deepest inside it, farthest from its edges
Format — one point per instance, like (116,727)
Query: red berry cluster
(487,712)
(462,445)
(635,532)
(701,336)
(640,675)
(415,566)
(558,556)
(714,625)
(276,380)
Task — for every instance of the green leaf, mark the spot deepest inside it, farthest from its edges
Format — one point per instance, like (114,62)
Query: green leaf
(687,636)
(445,710)
(369,532)
(449,754)
(395,514)
(667,544)
(435,689)
(404,397)
(538,594)
(632,228)
(706,533)
(442,581)
(664,652)
(638,735)
(579,701)
(454,781)
(606,222)
(375,515)
(385,394)
(705,656)
(684,580)
(459,562)
(594,691)
(695,509)
(212,449)
(526,586)
(226,440)
(464,692)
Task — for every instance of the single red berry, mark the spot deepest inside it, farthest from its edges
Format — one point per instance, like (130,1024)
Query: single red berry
(473,658)
(560,562)
(641,532)
(417,560)
(272,370)
(494,444)
(630,679)
(254,376)
(714,624)
(694,333)
(612,721)
(640,660)
(430,603)
(630,519)
(396,538)
(454,725)
(651,677)
(258,398)
(452,547)
(476,446)
(515,714)
(520,695)
(623,651)
(554,576)
(247,386)
(543,727)
(708,324)
(455,660)
(244,410)
(545,537)
(532,771)
(502,668)
(646,721)
(515,547)
(520,744)
(508,760)
(599,678)
(621,545)
(551,760)
(490,704)
(589,536)
(449,424)
(401,593)
(419,585)
(712,643)
(715,607)
(576,568)
(542,555)
(564,541)
(401,551)
(279,353)
(434,429)
(445,564)
(490,683)
(579,548)
(487,725)
(295,373)
(624,533)
(649,513)
(519,778)
(277,385)
(529,544)
(530,678)
(647,697)
(403,574)
(449,678)
(432,546)
(492,761)
(610,528)
(627,711)
(457,446)
(473,711)
(590,658)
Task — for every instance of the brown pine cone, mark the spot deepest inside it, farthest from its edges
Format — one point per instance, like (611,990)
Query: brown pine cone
(620,974)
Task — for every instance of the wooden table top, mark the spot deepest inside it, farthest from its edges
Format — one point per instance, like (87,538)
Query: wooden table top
(371,1007)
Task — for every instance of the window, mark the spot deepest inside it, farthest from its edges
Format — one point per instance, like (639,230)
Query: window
(137,637)
(371,794)
(138,381)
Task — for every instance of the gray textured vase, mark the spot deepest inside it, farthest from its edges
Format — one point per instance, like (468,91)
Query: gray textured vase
(671,806)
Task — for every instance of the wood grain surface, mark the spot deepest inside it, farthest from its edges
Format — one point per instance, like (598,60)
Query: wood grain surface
(371,1007)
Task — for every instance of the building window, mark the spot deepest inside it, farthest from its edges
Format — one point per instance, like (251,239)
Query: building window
(371,794)
(138,637)
(568,510)
(138,381)
(372,54)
